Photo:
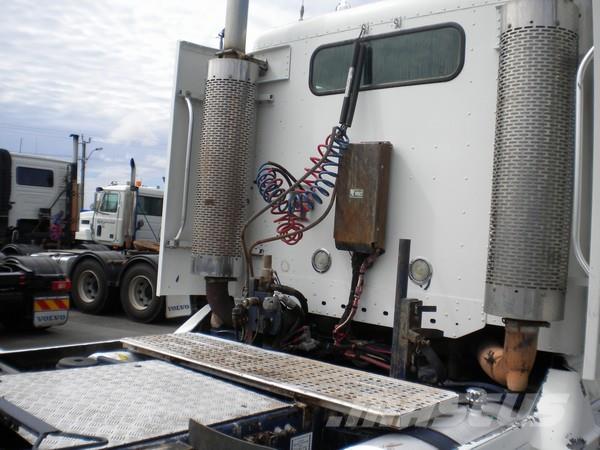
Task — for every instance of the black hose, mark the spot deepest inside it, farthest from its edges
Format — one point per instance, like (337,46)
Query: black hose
(294,293)
(293,329)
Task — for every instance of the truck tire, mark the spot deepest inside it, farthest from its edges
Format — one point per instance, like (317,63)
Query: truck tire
(138,294)
(90,287)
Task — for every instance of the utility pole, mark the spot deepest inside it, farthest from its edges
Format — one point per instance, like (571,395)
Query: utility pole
(83,161)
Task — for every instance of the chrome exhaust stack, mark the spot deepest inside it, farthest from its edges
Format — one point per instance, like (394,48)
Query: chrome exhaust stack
(532,187)
(226,153)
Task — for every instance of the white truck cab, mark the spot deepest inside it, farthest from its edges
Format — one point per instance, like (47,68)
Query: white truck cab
(33,196)
(108,222)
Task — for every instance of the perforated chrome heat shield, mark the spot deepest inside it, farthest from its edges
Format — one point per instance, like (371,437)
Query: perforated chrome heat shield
(533,162)
(376,398)
(220,201)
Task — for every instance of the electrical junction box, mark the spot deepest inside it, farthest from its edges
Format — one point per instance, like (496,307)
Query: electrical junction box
(362,196)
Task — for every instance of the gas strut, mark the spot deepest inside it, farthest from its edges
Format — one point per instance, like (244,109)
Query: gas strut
(353,82)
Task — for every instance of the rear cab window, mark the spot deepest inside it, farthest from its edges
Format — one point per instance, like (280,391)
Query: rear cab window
(32,176)
(416,56)
(150,206)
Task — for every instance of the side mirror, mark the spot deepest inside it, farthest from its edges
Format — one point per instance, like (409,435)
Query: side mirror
(140,224)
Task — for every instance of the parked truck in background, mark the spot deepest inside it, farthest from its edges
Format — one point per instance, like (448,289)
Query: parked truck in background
(99,253)
(34,199)
(34,293)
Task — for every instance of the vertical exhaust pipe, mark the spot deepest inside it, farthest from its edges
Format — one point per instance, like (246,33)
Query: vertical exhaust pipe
(532,185)
(227,151)
(132,172)
(511,364)
(74,189)
(75,138)
(221,304)
(236,24)
(131,206)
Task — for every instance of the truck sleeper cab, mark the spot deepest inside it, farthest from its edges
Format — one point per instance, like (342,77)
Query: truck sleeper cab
(33,198)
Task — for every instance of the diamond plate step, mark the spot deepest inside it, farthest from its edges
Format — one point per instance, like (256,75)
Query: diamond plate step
(129,402)
(377,398)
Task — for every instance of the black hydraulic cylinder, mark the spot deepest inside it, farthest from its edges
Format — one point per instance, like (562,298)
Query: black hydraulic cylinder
(356,84)
(350,82)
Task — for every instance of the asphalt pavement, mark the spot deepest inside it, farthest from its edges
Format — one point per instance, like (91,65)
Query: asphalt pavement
(83,328)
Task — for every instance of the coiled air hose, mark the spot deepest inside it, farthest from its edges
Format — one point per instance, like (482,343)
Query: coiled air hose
(290,205)
(291,212)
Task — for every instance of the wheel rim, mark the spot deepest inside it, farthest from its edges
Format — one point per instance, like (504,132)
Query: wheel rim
(141,292)
(88,286)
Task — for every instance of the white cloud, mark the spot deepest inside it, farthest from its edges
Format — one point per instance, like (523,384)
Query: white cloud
(105,68)
(134,128)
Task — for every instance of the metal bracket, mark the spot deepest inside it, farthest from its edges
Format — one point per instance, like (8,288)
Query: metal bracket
(181,244)
(263,66)
(265,98)
(190,95)
(407,319)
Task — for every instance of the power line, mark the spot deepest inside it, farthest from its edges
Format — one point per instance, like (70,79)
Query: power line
(30,132)
(33,134)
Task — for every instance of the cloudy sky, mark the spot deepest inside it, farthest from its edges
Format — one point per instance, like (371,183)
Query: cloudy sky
(103,68)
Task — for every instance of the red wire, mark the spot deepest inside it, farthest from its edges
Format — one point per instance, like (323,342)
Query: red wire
(338,334)
(292,221)
(375,362)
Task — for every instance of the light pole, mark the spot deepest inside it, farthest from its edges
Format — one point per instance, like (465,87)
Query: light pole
(97,149)
(84,160)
